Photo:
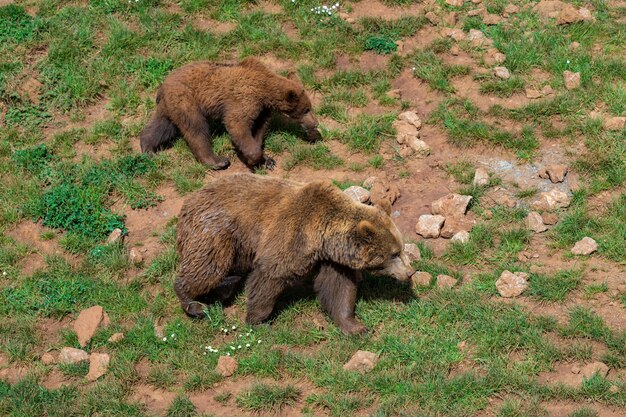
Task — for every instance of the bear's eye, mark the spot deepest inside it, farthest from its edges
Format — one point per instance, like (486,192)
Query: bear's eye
(395,255)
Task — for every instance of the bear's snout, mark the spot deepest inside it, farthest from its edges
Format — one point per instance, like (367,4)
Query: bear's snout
(399,268)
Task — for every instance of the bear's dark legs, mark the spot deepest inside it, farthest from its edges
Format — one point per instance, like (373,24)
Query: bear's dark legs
(336,289)
(196,132)
(190,306)
(249,147)
(263,292)
(157,133)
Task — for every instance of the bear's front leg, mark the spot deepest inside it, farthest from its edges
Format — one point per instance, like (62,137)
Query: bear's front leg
(263,292)
(336,288)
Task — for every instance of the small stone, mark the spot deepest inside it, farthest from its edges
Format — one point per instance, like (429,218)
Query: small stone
(419,146)
(159,329)
(511,9)
(429,226)
(613,389)
(87,323)
(362,361)
(475,34)
(585,14)
(556,173)
(450,19)
(454,50)
(481,177)
(488,214)
(585,246)
(421,279)
(69,355)
(412,118)
(226,366)
(502,72)
(98,365)
(405,131)
(461,237)
(369,182)
(350,20)
(115,236)
(432,18)
(535,223)
(135,256)
(455,3)
(357,193)
(451,205)
(550,218)
(591,369)
(552,200)
(615,123)
(446,281)
(474,12)
(116,337)
(512,284)
(574,46)
(547,90)
(491,19)
(412,251)
(477,1)
(47,359)
(575,369)
(494,57)
(456,34)
(568,14)
(395,93)
(571,79)
(549,8)
(533,94)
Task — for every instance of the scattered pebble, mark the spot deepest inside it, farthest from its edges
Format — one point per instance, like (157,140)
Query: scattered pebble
(412,251)
(429,226)
(446,281)
(362,361)
(585,246)
(534,222)
(69,355)
(98,365)
(571,79)
(226,366)
(357,193)
(421,279)
(512,284)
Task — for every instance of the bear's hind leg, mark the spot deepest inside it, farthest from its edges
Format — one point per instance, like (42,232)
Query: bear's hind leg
(263,291)
(196,131)
(336,288)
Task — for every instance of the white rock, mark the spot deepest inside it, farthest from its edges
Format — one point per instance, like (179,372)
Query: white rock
(429,226)
(461,237)
(362,361)
(357,193)
(481,177)
(412,251)
(419,146)
(534,222)
(454,205)
(135,256)
(412,118)
(115,236)
(512,284)
(69,355)
(405,131)
(446,281)
(502,72)
(553,199)
(585,246)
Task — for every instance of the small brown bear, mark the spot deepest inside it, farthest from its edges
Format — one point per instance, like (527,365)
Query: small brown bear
(241,96)
(279,233)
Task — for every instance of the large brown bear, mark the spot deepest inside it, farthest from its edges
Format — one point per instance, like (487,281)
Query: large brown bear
(278,233)
(242,96)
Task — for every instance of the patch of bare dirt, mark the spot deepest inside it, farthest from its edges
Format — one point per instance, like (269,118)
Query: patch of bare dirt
(55,380)
(467,87)
(367,61)
(564,409)
(96,112)
(422,38)
(213,26)
(50,329)
(417,92)
(13,373)
(291,31)
(267,7)
(275,64)
(374,8)
(155,400)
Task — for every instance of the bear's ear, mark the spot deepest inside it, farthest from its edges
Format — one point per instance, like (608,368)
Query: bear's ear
(292,96)
(291,75)
(384,205)
(365,230)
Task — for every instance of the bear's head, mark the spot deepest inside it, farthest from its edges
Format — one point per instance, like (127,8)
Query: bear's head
(297,105)
(355,235)
(380,247)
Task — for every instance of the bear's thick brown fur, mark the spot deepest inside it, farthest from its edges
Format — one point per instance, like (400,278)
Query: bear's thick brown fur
(277,233)
(241,96)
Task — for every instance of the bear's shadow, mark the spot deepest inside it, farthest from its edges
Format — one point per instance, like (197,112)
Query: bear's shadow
(278,123)
(371,288)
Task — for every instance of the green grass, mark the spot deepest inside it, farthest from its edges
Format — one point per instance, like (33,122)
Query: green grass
(68,163)
(267,398)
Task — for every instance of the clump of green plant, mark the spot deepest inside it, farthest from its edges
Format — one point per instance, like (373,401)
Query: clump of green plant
(380,44)
(264,397)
